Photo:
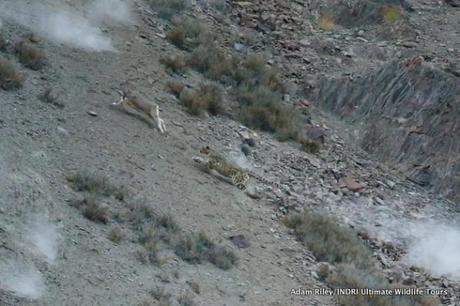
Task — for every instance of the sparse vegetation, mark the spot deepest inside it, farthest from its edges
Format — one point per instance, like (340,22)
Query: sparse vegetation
(198,248)
(326,22)
(116,235)
(194,286)
(356,268)
(138,213)
(175,87)
(348,276)
(160,294)
(207,98)
(149,239)
(186,299)
(10,78)
(30,56)
(92,183)
(174,63)
(188,33)
(92,209)
(329,241)
(253,72)
(261,110)
(168,8)
(212,62)
(309,146)
(167,223)
(391,13)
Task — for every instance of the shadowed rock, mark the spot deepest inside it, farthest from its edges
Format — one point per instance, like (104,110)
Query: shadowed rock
(409,113)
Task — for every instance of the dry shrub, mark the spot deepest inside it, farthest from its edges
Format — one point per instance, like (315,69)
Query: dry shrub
(348,276)
(175,87)
(261,109)
(30,56)
(96,184)
(186,299)
(174,63)
(212,62)
(253,72)
(330,241)
(207,98)
(168,8)
(309,146)
(326,22)
(10,77)
(92,209)
(198,248)
(187,33)
(116,235)
(391,13)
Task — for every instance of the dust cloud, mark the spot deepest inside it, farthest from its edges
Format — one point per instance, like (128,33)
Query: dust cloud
(436,248)
(22,280)
(64,24)
(43,235)
(117,11)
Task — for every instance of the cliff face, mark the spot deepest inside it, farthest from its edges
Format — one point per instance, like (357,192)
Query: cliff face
(409,115)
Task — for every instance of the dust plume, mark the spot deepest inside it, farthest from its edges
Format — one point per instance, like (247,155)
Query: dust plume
(74,30)
(43,235)
(110,11)
(62,23)
(22,280)
(436,248)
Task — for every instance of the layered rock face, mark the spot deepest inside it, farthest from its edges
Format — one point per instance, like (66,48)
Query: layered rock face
(409,115)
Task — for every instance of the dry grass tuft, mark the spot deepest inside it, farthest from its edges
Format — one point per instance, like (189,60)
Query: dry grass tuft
(92,209)
(168,8)
(175,87)
(391,13)
(116,235)
(160,294)
(30,56)
(329,241)
(212,62)
(198,248)
(186,299)
(188,33)
(174,63)
(326,22)
(309,146)
(348,276)
(10,77)
(262,109)
(84,181)
(207,98)
(356,267)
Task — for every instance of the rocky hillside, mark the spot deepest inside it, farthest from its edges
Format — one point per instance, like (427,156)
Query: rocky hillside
(345,113)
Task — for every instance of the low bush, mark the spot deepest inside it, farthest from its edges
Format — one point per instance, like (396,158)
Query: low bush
(10,77)
(207,98)
(198,248)
(95,184)
(174,63)
(30,56)
(168,8)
